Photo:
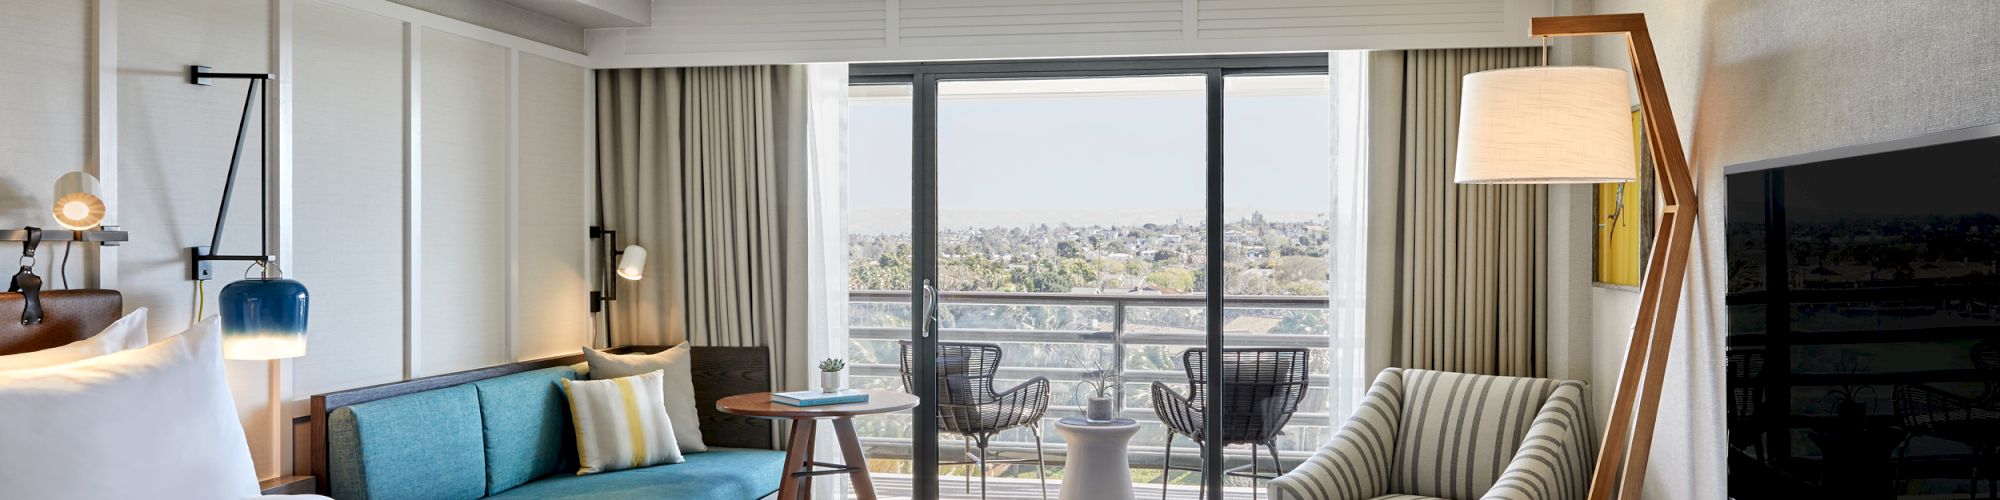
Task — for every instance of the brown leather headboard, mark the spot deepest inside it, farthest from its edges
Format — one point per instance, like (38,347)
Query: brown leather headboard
(68,316)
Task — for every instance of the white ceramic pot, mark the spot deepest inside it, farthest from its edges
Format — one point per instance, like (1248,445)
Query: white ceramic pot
(829,382)
(1099,410)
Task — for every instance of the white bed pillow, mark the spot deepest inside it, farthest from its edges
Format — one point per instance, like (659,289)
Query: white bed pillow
(678,386)
(153,422)
(128,332)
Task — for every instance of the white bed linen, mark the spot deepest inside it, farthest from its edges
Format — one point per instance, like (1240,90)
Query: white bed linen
(156,422)
(128,332)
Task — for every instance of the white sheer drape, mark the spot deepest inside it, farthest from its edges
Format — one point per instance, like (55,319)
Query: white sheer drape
(825,194)
(1348,218)
(825,279)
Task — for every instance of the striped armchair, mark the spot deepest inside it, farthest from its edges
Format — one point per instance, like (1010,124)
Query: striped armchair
(1421,435)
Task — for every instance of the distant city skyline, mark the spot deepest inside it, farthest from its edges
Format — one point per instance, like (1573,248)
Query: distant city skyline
(1098,160)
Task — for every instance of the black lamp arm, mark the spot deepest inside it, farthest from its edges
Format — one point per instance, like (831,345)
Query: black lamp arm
(610,251)
(201,256)
(199,75)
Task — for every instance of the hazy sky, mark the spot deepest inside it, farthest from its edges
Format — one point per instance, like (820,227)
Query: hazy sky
(1084,159)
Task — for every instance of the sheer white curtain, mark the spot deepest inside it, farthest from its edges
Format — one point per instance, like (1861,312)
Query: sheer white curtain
(1348,220)
(824,193)
(825,279)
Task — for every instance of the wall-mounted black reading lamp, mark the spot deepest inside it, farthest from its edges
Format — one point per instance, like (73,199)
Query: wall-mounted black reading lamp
(631,261)
(262,317)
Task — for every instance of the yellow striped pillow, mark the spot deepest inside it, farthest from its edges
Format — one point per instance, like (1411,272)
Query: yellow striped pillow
(621,423)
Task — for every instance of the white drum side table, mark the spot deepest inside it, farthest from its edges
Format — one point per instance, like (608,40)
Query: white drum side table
(1096,467)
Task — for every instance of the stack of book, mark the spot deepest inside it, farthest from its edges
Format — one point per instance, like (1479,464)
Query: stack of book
(817,398)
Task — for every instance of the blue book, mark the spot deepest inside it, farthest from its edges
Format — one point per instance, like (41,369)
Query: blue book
(817,398)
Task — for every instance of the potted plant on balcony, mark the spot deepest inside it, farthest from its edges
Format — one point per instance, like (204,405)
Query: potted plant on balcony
(829,374)
(1105,389)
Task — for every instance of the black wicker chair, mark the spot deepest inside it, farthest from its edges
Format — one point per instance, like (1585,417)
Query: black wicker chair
(968,405)
(1262,389)
(1929,411)
(1746,397)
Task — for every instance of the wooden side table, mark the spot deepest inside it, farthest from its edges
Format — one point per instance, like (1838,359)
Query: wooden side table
(799,465)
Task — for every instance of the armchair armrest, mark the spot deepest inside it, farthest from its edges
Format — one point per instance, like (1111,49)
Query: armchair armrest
(1026,401)
(1554,460)
(1354,465)
(1175,410)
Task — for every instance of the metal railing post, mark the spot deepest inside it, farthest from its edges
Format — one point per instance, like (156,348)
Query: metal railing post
(1118,351)
(1119,336)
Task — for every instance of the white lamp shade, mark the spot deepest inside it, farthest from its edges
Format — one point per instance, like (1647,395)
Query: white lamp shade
(632,265)
(1545,125)
(79,205)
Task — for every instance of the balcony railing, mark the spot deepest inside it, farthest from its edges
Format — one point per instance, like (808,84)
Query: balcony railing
(1117,334)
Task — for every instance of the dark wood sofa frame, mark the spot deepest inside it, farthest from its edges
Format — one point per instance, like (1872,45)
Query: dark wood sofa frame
(719,372)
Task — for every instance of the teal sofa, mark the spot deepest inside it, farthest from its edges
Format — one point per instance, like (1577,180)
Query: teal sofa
(504,433)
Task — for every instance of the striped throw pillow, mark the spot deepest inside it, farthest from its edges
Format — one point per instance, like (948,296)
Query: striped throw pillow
(621,423)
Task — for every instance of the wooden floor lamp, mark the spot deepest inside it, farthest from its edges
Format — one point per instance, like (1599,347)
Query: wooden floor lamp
(1546,125)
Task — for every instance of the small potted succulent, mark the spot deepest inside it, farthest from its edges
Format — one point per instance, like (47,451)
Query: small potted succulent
(829,374)
(1105,389)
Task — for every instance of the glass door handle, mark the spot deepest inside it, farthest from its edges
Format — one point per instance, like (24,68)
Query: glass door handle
(930,304)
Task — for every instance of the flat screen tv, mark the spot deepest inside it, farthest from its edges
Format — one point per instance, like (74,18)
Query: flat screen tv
(1864,321)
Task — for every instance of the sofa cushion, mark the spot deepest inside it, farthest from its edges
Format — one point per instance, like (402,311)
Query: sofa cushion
(718,474)
(423,445)
(526,426)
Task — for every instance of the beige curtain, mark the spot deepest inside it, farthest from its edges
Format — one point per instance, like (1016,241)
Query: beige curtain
(700,167)
(1472,258)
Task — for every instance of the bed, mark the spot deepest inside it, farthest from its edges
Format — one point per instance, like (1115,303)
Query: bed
(67,316)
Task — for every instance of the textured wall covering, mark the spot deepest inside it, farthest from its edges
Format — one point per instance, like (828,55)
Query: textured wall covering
(172,144)
(173,149)
(347,77)
(1755,80)
(45,129)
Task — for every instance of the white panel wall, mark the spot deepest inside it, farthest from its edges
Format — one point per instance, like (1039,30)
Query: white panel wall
(104,81)
(1757,80)
(347,194)
(463,276)
(174,146)
(552,313)
(725,32)
(44,133)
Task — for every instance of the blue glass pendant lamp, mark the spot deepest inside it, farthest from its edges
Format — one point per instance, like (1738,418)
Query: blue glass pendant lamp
(263,317)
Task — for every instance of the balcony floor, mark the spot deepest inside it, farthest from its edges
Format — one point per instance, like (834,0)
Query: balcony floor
(897,487)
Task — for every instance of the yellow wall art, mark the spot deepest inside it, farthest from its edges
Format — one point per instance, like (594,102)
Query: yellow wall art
(1622,221)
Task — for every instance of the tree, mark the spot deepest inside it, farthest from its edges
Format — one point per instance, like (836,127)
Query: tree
(1301,268)
(1065,249)
(1174,279)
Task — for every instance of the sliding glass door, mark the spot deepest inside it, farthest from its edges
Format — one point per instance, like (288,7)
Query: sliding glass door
(1069,211)
(880,314)
(1064,221)
(1278,360)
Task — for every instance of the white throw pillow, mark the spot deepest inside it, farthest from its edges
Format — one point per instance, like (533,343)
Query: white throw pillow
(620,424)
(128,332)
(678,367)
(153,422)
